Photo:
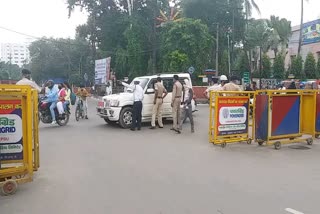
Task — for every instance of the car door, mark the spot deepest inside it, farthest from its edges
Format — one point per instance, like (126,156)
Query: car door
(148,100)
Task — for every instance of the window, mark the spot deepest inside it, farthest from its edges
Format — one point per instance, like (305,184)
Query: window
(16,62)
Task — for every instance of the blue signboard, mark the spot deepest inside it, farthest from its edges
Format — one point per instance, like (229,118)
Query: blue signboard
(311,32)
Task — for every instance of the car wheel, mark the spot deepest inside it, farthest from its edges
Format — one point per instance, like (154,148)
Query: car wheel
(109,121)
(125,119)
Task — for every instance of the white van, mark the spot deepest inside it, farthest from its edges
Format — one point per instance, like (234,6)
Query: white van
(118,107)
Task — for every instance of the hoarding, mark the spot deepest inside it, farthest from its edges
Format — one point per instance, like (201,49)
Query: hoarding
(311,32)
(102,70)
(232,115)
(11,130)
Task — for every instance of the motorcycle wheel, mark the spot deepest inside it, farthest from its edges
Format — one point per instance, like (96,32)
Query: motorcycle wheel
(77,114)
(63,122)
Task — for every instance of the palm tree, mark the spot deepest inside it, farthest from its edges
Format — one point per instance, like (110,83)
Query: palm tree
(249,5)
(301,26)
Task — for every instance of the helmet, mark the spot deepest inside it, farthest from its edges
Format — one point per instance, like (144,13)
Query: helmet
(223,78)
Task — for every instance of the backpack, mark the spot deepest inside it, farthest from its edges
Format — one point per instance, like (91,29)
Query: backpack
(73,98)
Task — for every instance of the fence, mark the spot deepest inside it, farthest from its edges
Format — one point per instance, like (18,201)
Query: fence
(19,141)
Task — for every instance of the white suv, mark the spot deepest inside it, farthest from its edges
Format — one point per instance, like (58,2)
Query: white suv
(118,107)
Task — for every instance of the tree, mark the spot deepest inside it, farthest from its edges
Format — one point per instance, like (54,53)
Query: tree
(297,67)
(9,71)
(266,66)
(188,38)
(318,67)
(243,64)
(310,67)
(61,58)
(278,67)
(249,5)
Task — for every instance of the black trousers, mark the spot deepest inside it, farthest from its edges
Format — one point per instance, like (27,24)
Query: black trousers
(136,116)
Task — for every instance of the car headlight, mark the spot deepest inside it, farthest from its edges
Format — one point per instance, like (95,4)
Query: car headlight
(114,103)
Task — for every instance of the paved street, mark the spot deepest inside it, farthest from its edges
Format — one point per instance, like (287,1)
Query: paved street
(91,167)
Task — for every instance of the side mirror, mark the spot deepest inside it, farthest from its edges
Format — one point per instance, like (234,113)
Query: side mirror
(150,91)
(129,90)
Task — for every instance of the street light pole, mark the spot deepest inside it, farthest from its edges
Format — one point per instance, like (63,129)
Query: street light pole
(260,69)
(229,61)
(217,51)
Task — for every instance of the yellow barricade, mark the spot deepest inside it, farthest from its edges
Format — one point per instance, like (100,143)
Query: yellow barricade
(284,116)
(229,120)
(19,136)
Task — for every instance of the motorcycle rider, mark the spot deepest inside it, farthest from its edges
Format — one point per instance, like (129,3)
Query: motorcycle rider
(52,97)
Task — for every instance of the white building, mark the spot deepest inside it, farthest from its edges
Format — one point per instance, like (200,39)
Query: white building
(16,53)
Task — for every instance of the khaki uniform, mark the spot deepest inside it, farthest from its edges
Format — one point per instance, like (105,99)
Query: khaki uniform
(231,87)
(176,102)
(157,108)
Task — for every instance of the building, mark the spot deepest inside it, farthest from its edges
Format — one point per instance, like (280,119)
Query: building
(15,53)
(310,42)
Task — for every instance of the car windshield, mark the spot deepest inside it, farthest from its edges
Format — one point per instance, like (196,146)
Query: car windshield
(143,83)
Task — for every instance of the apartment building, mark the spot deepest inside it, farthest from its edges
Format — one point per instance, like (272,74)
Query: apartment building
(15,53)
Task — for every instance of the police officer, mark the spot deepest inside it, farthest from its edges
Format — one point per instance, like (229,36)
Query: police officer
(26,80)
(159,94)
(232,85)
(175,103)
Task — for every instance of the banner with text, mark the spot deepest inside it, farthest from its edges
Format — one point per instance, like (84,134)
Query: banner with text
(102,70)
(11,147)
(311,32)
(232,115)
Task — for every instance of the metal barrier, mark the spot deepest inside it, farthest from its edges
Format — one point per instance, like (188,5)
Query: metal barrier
(284,115)
(229,117)
(19,141)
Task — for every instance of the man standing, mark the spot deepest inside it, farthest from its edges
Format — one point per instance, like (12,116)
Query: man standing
(108,88)
(138,95)
(214,87)
(159,94)
(187,107)
(232,86)
(175,103)
(26,80)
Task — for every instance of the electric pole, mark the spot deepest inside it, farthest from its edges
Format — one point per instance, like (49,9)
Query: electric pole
(217,51)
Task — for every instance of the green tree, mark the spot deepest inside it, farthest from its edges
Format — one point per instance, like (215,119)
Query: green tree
(278,67)
(297,67)
(282,28)
(243,64)
(9,71)
(266,66)
(190,38)
(318,67)
(310,68)
(224,64)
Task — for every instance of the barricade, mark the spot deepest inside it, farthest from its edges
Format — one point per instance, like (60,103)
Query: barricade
(284,117)
(229,120)
(19,141)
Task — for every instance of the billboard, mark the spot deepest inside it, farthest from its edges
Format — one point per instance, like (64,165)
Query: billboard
(102,70)
(311,32)
(232,115)
(11,130)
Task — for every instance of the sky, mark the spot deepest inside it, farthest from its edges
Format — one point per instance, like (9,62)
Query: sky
(50,17)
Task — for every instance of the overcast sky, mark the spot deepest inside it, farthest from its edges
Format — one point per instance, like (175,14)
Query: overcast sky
(50,17)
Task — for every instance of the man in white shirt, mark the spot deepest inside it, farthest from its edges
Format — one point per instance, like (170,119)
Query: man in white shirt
(214,87)
(108,89)
(26,80)
(138,95)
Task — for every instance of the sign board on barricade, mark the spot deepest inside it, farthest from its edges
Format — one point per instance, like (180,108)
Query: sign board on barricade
(11,130)
(261,117)
(318,113)
(232,115)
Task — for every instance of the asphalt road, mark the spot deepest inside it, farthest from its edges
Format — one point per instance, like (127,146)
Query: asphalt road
(91,167)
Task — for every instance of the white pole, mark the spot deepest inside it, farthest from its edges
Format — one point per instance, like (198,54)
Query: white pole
(229,62)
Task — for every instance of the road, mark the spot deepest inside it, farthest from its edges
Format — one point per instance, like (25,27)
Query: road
(91,167)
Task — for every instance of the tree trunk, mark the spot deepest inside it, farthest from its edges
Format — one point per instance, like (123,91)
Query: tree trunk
(301,28)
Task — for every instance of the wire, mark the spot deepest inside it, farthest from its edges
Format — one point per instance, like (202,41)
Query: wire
(66,43)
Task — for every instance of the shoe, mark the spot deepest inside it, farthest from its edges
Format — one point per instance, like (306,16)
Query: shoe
(172,129)
(192,130)
(132,129)
(139,129)
(152,127)
(161,127)
(178,131)
(54,122)
(86,117)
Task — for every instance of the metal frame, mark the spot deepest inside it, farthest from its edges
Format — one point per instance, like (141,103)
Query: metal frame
(16,172)
(276,141)
(213,118)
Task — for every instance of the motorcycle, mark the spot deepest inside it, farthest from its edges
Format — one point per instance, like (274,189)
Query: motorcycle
(45,114)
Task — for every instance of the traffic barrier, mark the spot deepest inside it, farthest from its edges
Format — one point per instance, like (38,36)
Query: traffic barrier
(229,117)
(19,141)
(283,117)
